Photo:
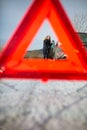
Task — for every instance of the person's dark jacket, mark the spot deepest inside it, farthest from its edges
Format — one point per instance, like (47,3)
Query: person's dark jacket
(46,48)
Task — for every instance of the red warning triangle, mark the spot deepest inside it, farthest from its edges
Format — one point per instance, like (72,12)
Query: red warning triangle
(12,63)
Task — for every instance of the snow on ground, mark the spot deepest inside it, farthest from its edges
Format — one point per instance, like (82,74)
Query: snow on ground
(37,105)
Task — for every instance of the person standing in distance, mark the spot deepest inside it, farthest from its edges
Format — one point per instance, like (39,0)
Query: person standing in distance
(46,47)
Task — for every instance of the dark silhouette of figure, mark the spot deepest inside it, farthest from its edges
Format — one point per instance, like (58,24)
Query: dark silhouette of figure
(46,47)
(52,49)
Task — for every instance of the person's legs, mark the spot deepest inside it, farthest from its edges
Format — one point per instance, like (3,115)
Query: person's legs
(45,54)
(48,53)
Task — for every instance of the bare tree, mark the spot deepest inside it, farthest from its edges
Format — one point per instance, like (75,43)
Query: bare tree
(1,46)
(80,22)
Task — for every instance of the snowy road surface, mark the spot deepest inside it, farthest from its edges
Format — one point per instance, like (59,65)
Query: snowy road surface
(35,105)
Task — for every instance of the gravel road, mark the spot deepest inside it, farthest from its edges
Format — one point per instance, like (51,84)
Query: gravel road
(37,105)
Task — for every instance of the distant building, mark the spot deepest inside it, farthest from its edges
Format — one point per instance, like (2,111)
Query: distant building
(83,37)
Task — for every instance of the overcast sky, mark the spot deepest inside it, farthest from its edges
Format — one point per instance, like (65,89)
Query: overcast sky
(11,12)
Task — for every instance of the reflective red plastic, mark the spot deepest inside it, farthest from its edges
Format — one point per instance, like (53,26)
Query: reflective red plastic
(12,56)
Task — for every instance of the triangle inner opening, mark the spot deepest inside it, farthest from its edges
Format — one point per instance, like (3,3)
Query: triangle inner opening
(35,49)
